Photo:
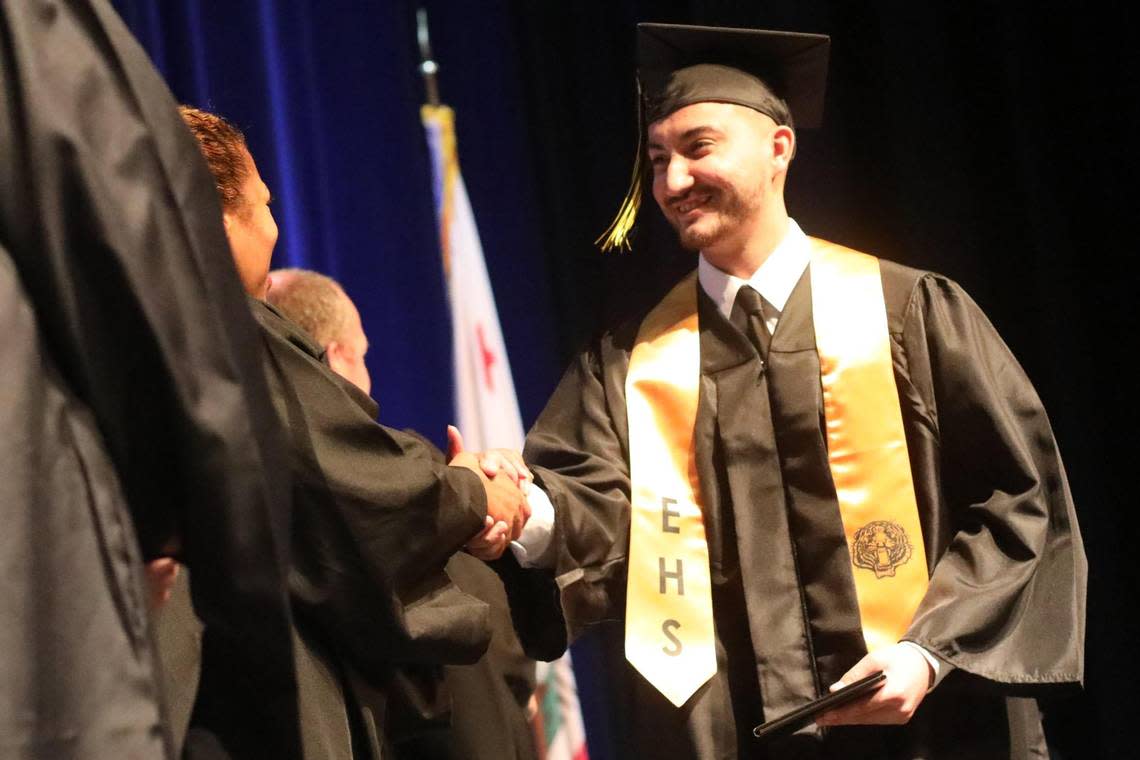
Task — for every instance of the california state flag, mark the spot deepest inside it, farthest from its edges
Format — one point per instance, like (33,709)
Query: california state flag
(487,410)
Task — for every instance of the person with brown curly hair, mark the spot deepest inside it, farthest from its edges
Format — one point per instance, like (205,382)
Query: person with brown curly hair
(376,516)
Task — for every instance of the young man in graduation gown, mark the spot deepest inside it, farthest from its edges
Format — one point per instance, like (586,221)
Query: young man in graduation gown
(375,516)
(450,712)
(803,465)
(133,408)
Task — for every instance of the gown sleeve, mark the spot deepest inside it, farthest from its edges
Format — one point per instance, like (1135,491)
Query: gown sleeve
(376,518)
(1007,598)
(578,452)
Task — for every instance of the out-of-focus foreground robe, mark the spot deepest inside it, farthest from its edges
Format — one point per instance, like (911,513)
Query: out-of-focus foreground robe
(133,411)
(1006,598)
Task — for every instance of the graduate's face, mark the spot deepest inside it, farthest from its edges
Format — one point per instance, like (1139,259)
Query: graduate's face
(346,353)
(717,169)
(252,233)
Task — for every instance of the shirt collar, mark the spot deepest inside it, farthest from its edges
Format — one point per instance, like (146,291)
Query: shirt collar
(774,280)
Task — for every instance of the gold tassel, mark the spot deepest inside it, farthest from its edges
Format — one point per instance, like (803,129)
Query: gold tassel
(617,234)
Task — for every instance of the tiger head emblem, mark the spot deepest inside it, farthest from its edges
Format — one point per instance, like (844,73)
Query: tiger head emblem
(880,546)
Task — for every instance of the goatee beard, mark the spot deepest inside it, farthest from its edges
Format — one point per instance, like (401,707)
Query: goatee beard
(730,211)
(693,240)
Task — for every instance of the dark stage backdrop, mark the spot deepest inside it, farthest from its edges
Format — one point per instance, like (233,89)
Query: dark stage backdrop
(989,142)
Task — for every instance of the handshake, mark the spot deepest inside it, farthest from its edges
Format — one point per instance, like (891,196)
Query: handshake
(506,481)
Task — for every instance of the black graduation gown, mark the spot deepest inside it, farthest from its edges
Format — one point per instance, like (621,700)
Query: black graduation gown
(375,520)
(489,699)
(133,408)
(1006,598)
(178,639)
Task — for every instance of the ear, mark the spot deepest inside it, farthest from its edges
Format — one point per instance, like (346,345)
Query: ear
(334,352)
(783,146)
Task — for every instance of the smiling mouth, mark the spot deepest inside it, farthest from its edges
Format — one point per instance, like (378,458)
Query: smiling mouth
(691,204)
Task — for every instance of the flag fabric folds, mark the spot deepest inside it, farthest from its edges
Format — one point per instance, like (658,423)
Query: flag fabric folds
(560,713)
(485,403)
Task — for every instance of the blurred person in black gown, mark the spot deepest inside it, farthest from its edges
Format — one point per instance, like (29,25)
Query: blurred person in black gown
(134,409)
(375,516)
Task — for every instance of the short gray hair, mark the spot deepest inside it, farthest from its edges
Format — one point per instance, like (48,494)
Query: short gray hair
(316,302)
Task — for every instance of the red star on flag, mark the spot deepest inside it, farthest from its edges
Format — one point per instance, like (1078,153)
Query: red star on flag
(487,356)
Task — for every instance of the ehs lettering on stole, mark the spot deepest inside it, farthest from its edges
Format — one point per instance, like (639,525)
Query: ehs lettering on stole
(678,574)
(669,634)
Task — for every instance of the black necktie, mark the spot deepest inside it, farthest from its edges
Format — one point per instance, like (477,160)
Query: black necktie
(748,317)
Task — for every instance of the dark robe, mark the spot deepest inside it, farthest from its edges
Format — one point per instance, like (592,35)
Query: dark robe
(470,712)
(178,639)
(375,519)
(133,408)
(489,699)
(1006,598)
(467,712)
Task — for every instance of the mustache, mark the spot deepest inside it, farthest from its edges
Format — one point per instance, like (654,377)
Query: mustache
(690,193)
(701,196)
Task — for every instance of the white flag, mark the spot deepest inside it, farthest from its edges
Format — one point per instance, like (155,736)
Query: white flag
(485,402)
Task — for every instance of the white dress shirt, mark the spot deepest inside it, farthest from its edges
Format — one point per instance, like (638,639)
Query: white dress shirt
(774,280)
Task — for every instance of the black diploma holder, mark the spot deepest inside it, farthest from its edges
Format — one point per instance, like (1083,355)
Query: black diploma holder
(802,716)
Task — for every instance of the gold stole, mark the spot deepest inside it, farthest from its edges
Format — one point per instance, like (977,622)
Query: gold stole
(669,628)
(866,442)
(668,614)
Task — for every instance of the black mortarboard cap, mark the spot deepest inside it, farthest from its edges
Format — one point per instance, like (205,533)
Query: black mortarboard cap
(681,65)
(780,74)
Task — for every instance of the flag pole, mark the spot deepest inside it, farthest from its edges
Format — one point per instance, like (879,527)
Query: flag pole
(486,406)
(428,66)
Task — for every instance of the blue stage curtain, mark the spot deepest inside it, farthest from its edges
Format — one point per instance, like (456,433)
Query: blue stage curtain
(328,95)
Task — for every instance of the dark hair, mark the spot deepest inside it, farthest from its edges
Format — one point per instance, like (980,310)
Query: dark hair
(223,146)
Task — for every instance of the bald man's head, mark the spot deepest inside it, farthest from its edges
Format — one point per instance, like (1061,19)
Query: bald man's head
(319,305)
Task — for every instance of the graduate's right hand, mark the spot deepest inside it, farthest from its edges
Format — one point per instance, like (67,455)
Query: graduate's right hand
(505,502)
(503,480)
(491,542)
(493,461)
